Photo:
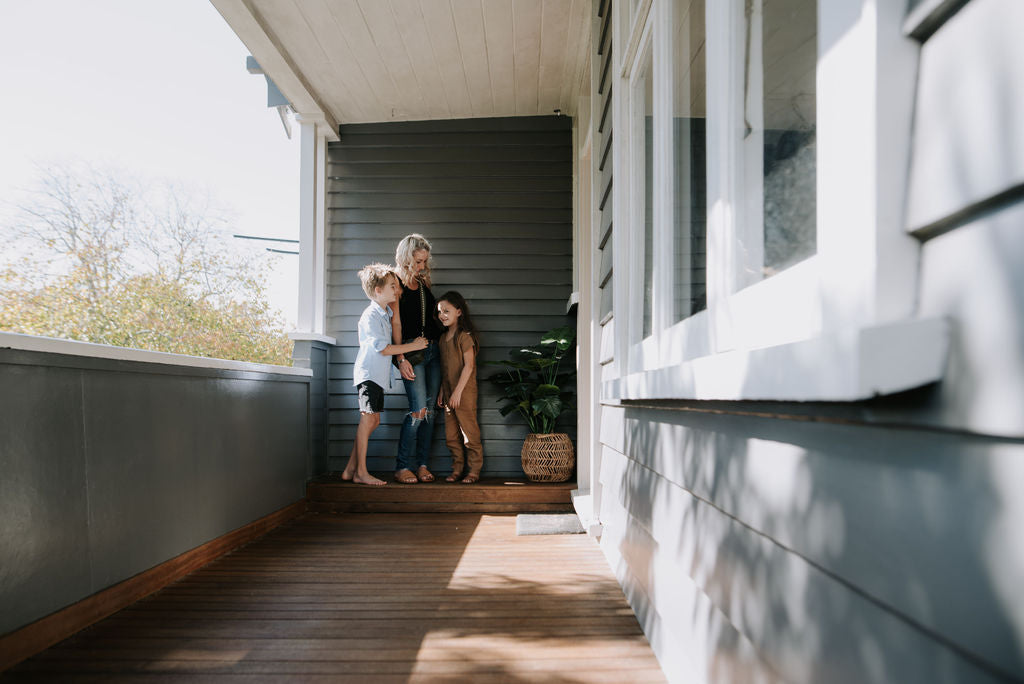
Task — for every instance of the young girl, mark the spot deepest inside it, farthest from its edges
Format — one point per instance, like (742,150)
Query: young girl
(459,346)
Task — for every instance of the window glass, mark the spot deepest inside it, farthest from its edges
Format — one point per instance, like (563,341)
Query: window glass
(689,159)
(789,50)
(648,152)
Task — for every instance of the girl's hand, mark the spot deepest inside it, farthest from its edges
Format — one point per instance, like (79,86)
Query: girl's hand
(420,342)
(440,401)
(456,399)
(405,368)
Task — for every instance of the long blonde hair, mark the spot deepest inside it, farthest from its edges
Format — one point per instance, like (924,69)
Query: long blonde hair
(404,257)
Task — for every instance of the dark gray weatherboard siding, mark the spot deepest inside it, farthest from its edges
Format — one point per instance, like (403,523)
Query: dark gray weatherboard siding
(494,197)
(112,467)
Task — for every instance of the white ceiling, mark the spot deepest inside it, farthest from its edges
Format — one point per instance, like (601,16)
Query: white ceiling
(358,61)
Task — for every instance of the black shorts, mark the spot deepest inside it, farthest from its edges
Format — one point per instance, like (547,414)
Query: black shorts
(371,397)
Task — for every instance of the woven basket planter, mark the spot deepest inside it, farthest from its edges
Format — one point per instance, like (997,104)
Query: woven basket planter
(548,458)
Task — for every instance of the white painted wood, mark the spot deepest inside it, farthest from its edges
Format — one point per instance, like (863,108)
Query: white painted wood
(469,26)
(319,323)
(381,60)
(865,77)
(527,17)
(968,144)
(984,389)
(500,55)
(554,41)
(311,337)
(346,18)
(384,39)
(848,365)
(576,58)
(409,19)
(444,41)
(307,225)
(51,345)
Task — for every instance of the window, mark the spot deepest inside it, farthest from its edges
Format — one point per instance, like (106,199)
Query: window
(763,242)
(645,111)
(782,126)
(689,146)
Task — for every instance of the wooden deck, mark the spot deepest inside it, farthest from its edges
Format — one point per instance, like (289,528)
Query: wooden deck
(374,598)
(329,494)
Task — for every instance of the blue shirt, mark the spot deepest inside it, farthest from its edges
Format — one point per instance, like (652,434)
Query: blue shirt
(374,335)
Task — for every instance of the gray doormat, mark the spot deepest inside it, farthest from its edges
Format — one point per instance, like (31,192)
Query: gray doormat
(548,523)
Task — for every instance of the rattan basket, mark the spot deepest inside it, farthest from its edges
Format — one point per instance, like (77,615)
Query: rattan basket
(548,458)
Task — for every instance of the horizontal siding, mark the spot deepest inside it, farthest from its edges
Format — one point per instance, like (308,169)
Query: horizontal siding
(494,197)
(843,553)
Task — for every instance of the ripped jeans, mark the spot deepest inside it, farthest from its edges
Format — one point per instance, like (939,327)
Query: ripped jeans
(418,433)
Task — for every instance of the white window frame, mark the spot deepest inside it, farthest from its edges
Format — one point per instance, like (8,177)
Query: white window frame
(838,326)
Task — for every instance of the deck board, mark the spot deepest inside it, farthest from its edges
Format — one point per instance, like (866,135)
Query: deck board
(383,597)
(329,494)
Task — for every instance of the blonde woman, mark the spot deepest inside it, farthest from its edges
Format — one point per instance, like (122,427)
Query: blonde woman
(421,371)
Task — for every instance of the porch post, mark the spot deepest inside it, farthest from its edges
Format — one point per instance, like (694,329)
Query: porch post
(312,347)
(312,225)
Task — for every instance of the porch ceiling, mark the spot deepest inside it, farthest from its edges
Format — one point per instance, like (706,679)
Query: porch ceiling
(355,61)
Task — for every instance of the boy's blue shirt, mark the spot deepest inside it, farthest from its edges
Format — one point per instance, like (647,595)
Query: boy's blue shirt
(374,335)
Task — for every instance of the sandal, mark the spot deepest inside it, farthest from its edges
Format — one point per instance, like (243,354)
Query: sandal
(471,478)
(424,474)
(405,476)
(454,477)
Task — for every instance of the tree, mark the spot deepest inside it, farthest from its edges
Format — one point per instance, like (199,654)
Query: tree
(103,260)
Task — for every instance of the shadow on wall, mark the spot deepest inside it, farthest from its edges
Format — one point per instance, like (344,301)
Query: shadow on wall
(820,552)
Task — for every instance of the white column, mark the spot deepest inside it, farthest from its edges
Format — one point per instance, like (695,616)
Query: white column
(312,227)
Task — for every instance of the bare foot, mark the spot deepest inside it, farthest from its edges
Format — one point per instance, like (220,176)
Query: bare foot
(346,475)
(368,480)
(470,479)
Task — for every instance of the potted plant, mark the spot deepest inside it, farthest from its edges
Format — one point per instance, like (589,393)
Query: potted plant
(537,387)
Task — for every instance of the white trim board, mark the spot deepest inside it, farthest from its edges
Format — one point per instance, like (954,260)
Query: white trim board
(53,345)
(850,365)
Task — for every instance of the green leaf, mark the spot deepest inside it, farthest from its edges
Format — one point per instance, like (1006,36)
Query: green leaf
(546,390)
(549,406)
(562,338)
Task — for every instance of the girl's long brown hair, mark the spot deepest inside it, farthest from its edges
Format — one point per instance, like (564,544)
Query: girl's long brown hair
(465,322)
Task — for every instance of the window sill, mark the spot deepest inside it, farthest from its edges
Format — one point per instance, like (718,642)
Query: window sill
(847,366)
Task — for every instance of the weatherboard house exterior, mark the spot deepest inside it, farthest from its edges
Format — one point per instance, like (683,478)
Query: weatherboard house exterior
(790,234)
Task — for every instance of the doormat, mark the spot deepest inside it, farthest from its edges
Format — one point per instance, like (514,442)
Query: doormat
(547,523)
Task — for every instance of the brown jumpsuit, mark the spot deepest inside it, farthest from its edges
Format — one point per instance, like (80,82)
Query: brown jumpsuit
(461,430)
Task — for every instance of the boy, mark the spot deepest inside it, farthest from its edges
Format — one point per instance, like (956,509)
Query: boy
(372,371)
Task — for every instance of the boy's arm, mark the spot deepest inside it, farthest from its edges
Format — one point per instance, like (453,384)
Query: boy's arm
(395,349)
(396,325)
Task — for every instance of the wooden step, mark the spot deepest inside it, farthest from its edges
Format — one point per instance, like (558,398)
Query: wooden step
(329,494)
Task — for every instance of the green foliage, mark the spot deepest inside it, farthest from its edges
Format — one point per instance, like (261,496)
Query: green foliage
(108,262)
(533,384)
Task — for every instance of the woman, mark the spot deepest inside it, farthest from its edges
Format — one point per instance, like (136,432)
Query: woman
(414,316)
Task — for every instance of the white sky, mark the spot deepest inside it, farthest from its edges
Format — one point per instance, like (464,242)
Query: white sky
(153,87)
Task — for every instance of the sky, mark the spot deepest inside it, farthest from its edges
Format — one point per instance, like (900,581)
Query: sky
(156,88)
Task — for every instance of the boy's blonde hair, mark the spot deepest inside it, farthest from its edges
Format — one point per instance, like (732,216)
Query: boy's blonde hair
(404,256)
(373,276)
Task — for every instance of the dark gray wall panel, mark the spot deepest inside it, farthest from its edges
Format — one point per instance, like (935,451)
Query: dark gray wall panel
(44,551)
(494,197)
(112,467)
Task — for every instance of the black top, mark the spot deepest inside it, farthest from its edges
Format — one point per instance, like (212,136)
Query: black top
(409,311)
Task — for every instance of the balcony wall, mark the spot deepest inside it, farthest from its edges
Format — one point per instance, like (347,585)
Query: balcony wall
(111,466)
